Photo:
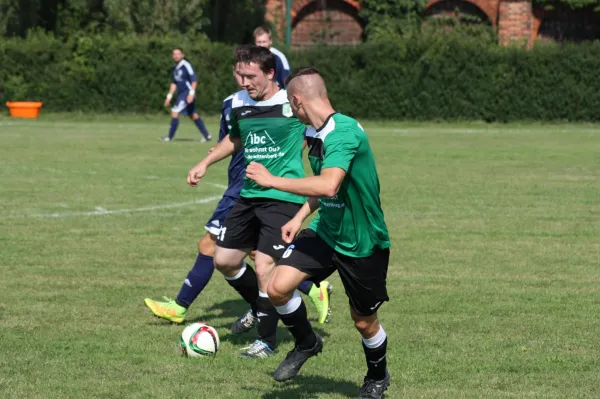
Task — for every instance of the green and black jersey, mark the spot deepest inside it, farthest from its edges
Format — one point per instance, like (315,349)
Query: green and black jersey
(351,221)
(270,135)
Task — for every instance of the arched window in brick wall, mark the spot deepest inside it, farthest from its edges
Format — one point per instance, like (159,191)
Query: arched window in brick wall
(326,21)
(460,11)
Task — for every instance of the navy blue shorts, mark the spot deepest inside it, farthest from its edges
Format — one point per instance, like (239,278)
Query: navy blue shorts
(214,224)
(182,107)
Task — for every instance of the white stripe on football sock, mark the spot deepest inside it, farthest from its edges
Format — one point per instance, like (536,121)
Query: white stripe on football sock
(239,274)
(292,305)
(376,340)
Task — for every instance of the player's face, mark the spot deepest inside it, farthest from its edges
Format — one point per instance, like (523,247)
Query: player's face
(177,55)
(297,108)
(238,79)
(253,79)
(263,41)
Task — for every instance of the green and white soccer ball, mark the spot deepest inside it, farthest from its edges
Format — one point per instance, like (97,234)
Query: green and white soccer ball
(198,340)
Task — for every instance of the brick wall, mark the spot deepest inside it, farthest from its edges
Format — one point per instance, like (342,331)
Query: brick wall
(276,15)
(514,19)
(515,22)
(315,21)
(336,21)
(332,27)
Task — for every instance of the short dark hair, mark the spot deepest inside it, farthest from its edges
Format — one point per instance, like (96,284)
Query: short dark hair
(301,72)
(178,48)
(262,30)
(241,52)
(259,55)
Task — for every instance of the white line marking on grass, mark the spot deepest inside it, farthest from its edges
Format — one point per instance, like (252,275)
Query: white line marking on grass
(223,186)
(102,211)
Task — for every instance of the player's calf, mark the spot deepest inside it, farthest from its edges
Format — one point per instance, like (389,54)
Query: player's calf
(374,342)
(207,244)
(293,315)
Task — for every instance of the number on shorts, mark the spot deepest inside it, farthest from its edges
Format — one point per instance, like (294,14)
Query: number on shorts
(288,251)
(221,235)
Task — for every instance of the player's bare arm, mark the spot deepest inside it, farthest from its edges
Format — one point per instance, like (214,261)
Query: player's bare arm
(172,89)
(225,148)
(190,97)
(326,184)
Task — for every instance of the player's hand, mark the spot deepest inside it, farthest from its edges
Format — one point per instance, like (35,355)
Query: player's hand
(190,98)
(259,173)
(290,229)
(195,174)
(167,102)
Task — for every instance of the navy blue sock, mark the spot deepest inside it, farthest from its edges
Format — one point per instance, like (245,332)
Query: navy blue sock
(196,280)
(305,286)
(200,123)
(173,129)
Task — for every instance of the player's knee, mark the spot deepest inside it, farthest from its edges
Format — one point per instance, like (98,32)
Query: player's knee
(174,115)
(206,245)
(279,293)
(225,264)
(366,325)
(362,326)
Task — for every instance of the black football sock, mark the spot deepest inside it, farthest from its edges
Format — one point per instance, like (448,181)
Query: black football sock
(267,320)
(375,352)
(294,317)
(246,284)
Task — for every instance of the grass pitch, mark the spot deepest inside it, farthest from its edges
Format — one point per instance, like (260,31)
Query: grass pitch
(494,277)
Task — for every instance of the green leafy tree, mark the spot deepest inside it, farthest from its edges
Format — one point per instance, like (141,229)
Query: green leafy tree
(391,18)
(65,17)
(234,21)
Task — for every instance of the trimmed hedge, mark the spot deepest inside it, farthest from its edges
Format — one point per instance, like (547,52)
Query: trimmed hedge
(427,78)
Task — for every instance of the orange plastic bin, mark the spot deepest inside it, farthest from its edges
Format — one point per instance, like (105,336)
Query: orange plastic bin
(24,109)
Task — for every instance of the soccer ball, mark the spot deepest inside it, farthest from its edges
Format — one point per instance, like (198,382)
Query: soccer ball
(199,339)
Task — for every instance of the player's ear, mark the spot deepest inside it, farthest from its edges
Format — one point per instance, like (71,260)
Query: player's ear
(296,101)
(271,74)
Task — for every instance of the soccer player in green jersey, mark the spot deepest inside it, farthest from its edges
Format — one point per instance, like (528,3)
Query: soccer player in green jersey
(349,233)
(263,125)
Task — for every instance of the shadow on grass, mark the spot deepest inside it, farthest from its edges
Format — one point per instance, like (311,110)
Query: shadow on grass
(235,308)
(312,387)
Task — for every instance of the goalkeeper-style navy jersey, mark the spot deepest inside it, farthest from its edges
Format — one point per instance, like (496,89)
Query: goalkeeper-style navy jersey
(183,77)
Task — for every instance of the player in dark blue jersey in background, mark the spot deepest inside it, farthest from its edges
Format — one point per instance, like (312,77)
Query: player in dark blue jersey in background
(201,273)
(263,38)
(185,82)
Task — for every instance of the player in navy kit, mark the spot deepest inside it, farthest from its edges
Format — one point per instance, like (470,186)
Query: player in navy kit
(185,82)
(199,276)
(263,37)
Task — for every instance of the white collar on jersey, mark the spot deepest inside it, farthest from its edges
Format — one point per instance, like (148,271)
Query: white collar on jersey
(279,98)
(242,98)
